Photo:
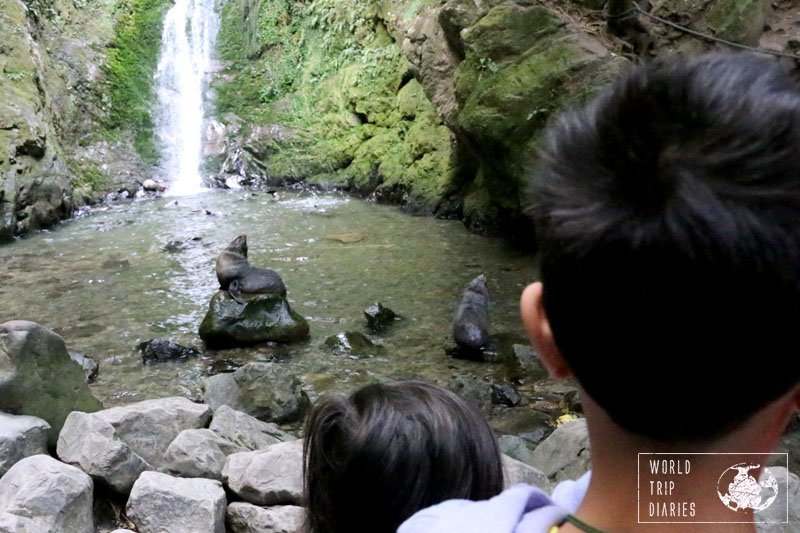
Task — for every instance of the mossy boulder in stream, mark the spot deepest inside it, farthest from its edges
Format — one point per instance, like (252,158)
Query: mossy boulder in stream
(39,378)
(260,318)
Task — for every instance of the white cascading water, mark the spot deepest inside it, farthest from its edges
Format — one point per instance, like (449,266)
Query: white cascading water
(190,30)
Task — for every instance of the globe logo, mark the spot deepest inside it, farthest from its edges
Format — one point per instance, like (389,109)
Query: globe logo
(738,490)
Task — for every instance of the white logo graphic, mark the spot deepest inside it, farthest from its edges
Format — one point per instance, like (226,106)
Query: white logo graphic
(738,490)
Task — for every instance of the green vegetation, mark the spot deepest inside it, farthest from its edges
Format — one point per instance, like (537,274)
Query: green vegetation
(330,72)
(129,72)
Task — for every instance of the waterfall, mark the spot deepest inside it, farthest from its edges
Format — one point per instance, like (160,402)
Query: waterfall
(190,30)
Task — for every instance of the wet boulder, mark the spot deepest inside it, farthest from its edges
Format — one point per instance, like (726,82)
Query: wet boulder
(39,378)
(267,391)
(46,495)
(353,344)
(379,317)
(159,350)
(257,318)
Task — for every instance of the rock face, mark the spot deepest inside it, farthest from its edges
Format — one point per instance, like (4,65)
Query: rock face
(266,391)
(260,318)
(38,377)
(247,518)
(565,454)
(160,503)
(56,102)
(40,492)
(273,476)
(20,437)
(118,444)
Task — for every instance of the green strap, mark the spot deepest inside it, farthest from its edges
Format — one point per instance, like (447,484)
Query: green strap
(580,524)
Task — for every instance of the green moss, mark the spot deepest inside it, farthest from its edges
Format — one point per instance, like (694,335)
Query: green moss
(741,21)
(132,61)
(509,30)
(88,178)
(332,73)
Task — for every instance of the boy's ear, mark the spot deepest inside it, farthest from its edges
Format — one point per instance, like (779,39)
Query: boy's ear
(539,332)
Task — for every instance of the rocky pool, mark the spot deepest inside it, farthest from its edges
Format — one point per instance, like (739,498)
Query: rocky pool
(108,281)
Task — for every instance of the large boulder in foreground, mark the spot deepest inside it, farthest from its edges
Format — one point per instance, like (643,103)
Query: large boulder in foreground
(161,503)
(39,378)
(260,318)
(116,445)
(20,437)
(565,454)
(267,391)
(41,494)
(273,476)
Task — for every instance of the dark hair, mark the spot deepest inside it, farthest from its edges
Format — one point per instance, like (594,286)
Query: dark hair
(667,213)
(375,458)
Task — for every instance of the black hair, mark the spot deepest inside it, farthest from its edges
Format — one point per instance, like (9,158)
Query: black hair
(375,458)
(667,212)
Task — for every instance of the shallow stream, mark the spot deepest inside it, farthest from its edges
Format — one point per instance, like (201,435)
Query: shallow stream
(105,283)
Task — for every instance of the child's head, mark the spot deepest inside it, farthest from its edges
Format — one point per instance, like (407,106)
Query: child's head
(668,218)
(389,450)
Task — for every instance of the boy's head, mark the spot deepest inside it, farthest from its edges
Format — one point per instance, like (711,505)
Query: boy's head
(667,213)
(375,458)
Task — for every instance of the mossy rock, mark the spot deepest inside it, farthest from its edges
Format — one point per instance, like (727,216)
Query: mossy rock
(741,21)
(508,30)
(261,318)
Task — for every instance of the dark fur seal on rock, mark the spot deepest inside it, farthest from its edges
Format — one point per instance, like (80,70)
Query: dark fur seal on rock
(471,322)
(236,276)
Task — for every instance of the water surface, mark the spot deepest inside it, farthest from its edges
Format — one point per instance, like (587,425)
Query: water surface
(105,283)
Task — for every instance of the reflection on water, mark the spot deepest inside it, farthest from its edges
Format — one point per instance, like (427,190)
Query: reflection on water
(106,283)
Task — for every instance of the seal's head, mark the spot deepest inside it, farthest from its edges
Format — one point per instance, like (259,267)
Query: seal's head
(239,245)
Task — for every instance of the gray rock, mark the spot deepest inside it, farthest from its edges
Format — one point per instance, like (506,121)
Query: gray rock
(160,503)
(11,523)
(92,444)
(150,426)
(246,431)
(20,437)
(774,515)
(273,476)
(474,389)
(379,317)
(247,518)
(267,391)
(504,394)
(54,496)
(565,454)
(199,453)
(515,472)
(123,531)
(91,368)
(527,363)
(516,447)
(353,344)
(38,377)
(261,318)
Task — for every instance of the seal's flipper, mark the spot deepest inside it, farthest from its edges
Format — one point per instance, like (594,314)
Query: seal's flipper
(235,291)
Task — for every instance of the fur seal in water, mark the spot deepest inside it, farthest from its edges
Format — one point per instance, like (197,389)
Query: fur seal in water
(471,322)
(236,276)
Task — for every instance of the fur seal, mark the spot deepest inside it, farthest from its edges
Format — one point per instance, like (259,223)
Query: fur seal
(236,276)
(471,322)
